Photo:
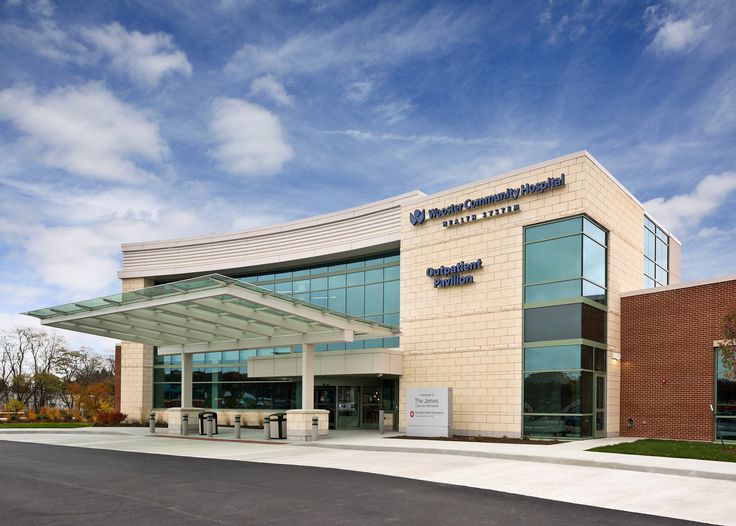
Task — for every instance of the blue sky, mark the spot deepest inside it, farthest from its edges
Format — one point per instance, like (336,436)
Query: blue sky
(130,121)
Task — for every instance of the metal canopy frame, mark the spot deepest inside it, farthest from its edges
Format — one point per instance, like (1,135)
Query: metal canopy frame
(210,313)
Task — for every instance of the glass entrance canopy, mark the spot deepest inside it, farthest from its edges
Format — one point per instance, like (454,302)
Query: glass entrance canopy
(210,313)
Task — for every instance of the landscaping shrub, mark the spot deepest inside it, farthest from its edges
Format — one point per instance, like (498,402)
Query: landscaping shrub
(110,418)
(49,414)
(14,406)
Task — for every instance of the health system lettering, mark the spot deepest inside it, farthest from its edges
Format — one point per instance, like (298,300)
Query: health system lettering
(418,217)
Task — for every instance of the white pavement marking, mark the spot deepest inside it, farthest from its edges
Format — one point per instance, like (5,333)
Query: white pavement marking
(690,498)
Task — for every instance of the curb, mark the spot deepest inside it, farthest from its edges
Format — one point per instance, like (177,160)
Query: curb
(64,431)
(662,470)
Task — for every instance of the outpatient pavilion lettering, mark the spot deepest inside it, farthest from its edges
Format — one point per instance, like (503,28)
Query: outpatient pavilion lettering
(451,276)
(510,194)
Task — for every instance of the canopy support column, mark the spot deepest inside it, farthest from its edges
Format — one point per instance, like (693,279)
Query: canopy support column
(186,379)
(307,376)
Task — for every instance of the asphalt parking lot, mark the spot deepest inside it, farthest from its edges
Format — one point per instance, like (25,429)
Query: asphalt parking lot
(43,484)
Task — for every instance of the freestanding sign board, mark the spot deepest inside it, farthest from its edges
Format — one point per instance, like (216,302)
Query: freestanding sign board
(429,412)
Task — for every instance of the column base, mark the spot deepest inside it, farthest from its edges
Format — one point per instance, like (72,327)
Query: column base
(174,415)
(299,426)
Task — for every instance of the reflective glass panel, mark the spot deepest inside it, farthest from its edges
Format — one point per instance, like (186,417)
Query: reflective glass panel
(556,357)
(553,260)
(594,261)
(552,291)
(562,322)
(649,244)
(337,300)
(556,229)
(594,292)
(594,231)
(567,426)
(355,301)
(558,392)
(374,299)
(662,253)
(391,296)
(726,428)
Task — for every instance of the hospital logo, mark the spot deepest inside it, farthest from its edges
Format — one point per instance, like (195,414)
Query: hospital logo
(417,217)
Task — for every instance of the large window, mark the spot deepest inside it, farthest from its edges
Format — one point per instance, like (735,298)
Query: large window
(565,259)
(367,287)
(656,255)
(725,399)
(220,381)
(565,279)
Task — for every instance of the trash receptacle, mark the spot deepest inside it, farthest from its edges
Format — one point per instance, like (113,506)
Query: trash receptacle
(278,425)
(203,421)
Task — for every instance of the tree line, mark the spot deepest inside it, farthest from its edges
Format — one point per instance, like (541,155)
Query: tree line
(38,370)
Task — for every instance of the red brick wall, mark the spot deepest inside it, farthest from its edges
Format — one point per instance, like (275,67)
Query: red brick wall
(667,360)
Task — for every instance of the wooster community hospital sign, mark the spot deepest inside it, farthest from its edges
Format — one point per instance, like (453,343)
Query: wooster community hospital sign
(418,217)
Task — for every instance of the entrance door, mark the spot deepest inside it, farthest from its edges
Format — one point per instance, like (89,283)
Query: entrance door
(600,406)
(324,398)
(348,407)
(371,405)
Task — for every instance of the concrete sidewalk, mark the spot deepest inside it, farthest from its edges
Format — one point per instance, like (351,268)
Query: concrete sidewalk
(680,488)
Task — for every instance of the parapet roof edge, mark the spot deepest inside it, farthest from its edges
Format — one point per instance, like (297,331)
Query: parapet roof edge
(329,217)
(566,157)
(609,174)
(653,290)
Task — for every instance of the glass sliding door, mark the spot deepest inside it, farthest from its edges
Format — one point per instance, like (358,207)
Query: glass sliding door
(348,407)
(370,407)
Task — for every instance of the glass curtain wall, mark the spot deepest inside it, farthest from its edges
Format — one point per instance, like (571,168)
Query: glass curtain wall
(725,399)
(565,294)
(220,381)
(656,255)
(367,287)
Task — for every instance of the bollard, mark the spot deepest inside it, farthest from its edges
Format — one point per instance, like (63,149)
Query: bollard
(152,422)
(237,427)
(315,429)
(210,423)
(267,427)
(381,422)
(185,424)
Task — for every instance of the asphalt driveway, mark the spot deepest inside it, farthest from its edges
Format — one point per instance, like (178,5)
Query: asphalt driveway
(42,484)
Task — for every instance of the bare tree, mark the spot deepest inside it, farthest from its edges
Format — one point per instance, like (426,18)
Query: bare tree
(44,349)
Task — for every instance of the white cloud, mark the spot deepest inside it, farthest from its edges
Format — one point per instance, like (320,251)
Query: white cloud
(74,340)
(146,58)
(686,210)
(415,139)
(678,35)
(359,91)
(356,43)
(271,88)
(394,111)
(85,130)
(249,140)
(48,41)
(674,34)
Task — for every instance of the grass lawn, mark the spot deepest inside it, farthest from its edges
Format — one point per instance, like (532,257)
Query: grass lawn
(674,449)
(15,425)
